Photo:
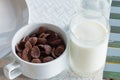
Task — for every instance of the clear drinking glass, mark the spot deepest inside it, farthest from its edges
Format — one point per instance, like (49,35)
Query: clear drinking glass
(89,37)
(89,34)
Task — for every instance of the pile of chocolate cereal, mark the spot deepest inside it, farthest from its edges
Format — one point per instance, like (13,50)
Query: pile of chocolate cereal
(42,46)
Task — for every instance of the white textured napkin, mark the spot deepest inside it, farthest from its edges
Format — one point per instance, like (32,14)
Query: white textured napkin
(57,12)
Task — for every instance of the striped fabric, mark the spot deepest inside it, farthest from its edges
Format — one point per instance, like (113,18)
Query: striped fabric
(112,69)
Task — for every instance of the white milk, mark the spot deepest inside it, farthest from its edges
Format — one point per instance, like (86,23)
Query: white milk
(88,47)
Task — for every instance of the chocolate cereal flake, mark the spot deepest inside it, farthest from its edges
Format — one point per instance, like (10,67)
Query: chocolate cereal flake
(33,40)
(42,40)
(25,51)
(36,61)
(56,42)
(53,53)
(35,52)
(47,59)
(47,48)
(20,46)
(19,54)
(59,50)
(25,57)
(43,35)
(28,44)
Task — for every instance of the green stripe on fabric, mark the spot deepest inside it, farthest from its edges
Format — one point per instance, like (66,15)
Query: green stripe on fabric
(114,16)
(115,29)
(114,75)
(116,3)
(114,59)
(114,44)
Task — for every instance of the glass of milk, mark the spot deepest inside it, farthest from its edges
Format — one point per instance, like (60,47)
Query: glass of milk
(89,35)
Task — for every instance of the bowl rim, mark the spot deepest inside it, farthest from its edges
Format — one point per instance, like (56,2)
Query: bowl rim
(39,64)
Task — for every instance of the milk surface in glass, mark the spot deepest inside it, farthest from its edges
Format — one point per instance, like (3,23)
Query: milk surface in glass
(88,47)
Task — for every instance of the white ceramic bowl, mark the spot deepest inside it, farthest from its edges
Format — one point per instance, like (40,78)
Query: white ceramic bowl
(33,70)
